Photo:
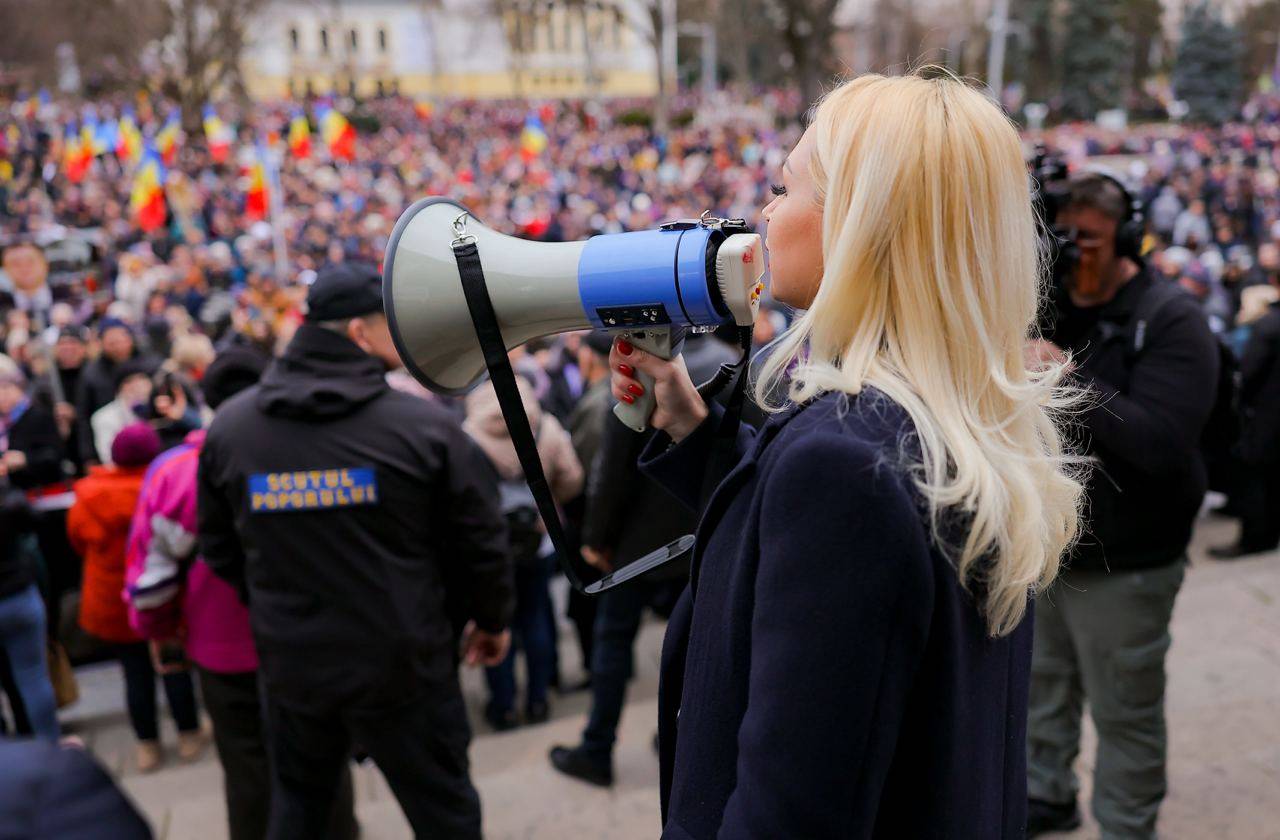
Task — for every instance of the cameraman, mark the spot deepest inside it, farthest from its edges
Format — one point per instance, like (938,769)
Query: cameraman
(1146,356)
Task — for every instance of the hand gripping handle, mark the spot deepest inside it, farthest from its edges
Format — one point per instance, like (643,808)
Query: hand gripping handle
(663,343)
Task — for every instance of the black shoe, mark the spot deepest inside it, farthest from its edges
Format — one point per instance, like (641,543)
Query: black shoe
(502,721)
(574,761)
(1235,551)
(537,713)
(1045,817)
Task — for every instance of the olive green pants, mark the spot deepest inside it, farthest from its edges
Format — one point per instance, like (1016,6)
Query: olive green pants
(1103,637)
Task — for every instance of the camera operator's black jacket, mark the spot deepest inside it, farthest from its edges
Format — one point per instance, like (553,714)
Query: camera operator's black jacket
(351,516)
(1144,424)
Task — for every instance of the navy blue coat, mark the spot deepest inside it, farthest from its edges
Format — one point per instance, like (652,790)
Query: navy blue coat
(830,677)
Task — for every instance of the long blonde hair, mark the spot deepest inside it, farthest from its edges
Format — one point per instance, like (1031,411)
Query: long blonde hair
(931,282)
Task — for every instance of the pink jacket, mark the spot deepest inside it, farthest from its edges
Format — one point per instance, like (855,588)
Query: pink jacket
(161,564)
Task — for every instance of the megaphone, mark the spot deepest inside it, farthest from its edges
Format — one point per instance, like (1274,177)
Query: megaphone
(646,285)
(459,295)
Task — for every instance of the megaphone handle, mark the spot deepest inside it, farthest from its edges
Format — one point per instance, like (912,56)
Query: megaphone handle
(663,344)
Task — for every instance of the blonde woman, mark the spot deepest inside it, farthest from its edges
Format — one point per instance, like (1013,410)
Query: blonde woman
(852,658)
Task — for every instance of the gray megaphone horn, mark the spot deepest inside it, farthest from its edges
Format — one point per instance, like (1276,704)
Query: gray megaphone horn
(459,294)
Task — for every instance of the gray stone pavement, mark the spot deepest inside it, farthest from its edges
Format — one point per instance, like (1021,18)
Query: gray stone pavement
(1224,693)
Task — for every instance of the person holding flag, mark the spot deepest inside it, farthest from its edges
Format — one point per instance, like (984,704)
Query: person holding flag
(146,200)
(219,135)
(338,134)
(299,136)
(168,137)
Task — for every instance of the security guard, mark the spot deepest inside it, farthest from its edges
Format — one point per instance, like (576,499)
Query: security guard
(350,516)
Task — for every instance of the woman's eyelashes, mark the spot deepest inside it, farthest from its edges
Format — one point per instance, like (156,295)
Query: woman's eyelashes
(777,189)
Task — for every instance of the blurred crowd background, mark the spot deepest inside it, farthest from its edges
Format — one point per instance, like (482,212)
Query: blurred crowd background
(168,193)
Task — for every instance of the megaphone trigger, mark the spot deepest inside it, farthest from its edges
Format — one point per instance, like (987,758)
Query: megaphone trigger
(663,343)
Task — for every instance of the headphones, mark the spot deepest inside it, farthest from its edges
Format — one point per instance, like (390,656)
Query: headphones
(1132,228)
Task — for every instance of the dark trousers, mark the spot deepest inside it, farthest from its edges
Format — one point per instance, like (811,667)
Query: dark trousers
(582,612)
(1257,498)
(617,623)
(420,747)
(535,634)
(140,693)
(235,707)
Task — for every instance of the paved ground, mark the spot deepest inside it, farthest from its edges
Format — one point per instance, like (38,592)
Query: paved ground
(1224,757)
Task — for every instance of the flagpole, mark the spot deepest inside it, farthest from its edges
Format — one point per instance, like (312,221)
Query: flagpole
(275,199)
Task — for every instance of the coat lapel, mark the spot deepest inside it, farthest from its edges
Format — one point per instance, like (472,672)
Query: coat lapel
(727,489)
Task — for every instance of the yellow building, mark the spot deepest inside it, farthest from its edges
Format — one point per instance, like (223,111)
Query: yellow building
(451,48)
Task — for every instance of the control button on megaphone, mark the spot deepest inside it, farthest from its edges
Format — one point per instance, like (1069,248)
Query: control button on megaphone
(697,273)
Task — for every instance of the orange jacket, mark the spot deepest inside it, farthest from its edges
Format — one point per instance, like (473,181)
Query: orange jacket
(98,526)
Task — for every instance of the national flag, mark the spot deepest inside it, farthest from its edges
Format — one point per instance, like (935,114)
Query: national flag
(129,140)
(338,134)
(146,201)
(299,136)
(168,137)
(256,197)
(424,109)
(533,138)
(74,161)
(105,137)
(218,134)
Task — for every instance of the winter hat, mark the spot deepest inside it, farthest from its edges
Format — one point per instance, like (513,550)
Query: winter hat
(135,446)
(110,323)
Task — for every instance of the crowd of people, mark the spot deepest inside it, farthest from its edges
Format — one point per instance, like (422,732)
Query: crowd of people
(121,341)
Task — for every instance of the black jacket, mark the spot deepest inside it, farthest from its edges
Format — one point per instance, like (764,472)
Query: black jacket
(1144,425)
(626,511)
(36,436)
(96,388)
(826,676)
(345,510)
(17,523)
(1260,392)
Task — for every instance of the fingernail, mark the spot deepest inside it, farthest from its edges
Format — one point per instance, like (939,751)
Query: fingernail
(635,389)
(624,347)
(628,399)
(626,370)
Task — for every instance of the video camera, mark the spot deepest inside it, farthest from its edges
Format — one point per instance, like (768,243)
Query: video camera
(1051,177)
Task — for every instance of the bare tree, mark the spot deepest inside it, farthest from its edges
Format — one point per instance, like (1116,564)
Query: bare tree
(106,37)
(807,30)
(204,49)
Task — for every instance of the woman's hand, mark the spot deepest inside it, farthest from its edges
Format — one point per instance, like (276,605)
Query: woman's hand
(678,409)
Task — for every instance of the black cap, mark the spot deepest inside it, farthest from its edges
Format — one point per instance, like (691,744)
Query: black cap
(346,290)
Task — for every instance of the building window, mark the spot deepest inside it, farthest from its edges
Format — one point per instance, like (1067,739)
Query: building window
(382,40)
(293,38)
(324,40)
(617,30)
(354,40)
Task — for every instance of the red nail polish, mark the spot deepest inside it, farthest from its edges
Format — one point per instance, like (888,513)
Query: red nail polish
(626,370)
(635,389)
(628,399)
(624,347)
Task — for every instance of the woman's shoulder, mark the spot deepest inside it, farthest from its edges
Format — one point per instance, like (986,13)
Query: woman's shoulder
(864,441)
(867,425)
